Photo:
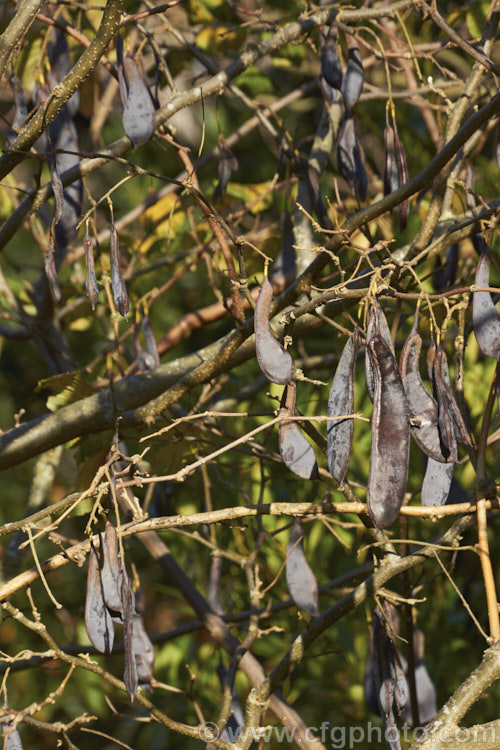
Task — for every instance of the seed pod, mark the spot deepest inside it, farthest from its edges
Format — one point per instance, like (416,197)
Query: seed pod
(403,176)
(423,408)
(331,69)
(296,451)
(349,157)
(91,280)
(437,483)
(130,676)
(377,324)
(111,570)
(274,361)
(285,268)
(12,738)
(300,579)
(65,139)
(389,454)
(138,109)
(391,177)
(214,587)
(144,653)
(444,276)
(448,410)
(228,163)
(97,617)
(341,401)
(51,273)
(120,295)
(20,111)
(426,692)
(352,84)
(149,338)
(485,318)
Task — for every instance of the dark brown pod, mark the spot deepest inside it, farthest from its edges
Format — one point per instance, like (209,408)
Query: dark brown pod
(341,401)
(377,324)
(352,84)
(296,451)
(51,274)
(228,164)
(423,408)
(350,161)
(300,579)
(138,107)
(390,447)
(118,287)
(97,617)
(485,318)
(90,280)
(274,361)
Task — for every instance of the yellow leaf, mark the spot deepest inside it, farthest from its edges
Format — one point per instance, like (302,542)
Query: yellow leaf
(258,196)
(66,388)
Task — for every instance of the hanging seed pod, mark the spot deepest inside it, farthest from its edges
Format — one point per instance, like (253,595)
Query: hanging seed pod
(138,109)
(274,361)
(149,338)
(352,84)
(91,280)
(331,69)
(377,324)
(296,451)
(350,159)
(485,318)
(403,175)
(51,272)
(120,295)
(20,111)
(450,405)
(300,579)
(111,570)
(390,447)
(437,483)
(423,408)
(444,275)
(12,738)
(64,138)
(426,692)
(285,267)
(341,401)
(214,587)
(228,164)
(97,617)
(130,676)
(391,177)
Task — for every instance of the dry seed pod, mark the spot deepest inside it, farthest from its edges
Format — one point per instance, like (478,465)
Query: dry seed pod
(12,738)
(97,617)
(65,139)
(149,338)
(20,111)
(228,164)
(331,69)
(341,401)
(391,177)
(130,676)
(444,275)
(390,447)
(352,84)
(403,175)
(274,361)
(144,653)
(91,280)
(111,570)
(377,323)
(285,268)
(51,273)
(120,295)
(296,451)
(426,692)
(349,157)
(300,579)
(138,108)
(442,395)
(422,407)
(460,429)
(485,318)
(214,587)
(437,483)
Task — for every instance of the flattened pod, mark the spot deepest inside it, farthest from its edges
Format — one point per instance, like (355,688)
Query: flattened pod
(377,323)
(341,401)
(296,451)
(459,428)
(144,653)
(97,618)
(391,177)
(90,280)
(354,75)
(285,268)
(300,579)
(422,407)
(130,676)
(485,318)
(437,483)
(12,738)
(111,571)
(274,361)
(118,287)
(330,65)
(390,437)
(138,108)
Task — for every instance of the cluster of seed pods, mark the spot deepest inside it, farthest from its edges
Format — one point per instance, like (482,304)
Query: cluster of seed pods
(111,599)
